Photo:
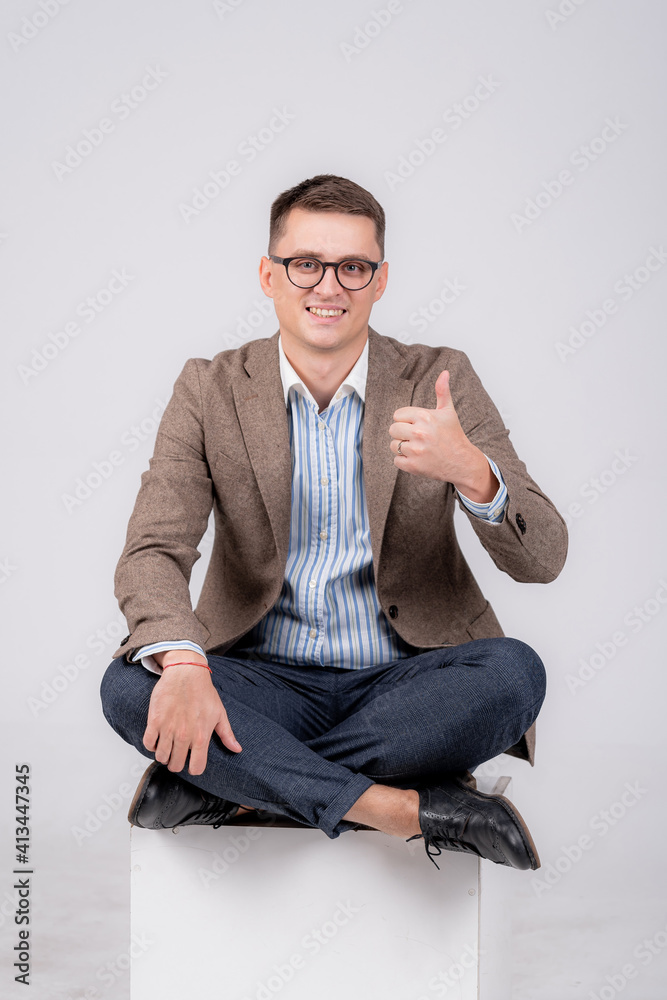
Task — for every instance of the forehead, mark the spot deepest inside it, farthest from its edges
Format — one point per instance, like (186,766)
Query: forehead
(327,234)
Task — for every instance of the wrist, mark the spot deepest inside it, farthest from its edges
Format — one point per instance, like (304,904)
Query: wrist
(177,656)
(192,675)
(479,483)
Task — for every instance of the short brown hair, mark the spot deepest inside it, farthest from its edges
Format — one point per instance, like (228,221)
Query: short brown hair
(326,193)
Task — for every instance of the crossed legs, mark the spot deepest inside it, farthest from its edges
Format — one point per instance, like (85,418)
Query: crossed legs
(333,748)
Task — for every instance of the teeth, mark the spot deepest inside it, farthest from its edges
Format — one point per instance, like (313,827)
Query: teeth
(326,312)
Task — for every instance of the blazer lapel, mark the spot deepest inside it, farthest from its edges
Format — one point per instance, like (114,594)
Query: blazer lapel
(386,391)
(260,404)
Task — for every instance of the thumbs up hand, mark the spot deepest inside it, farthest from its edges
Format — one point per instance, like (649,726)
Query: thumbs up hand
(432,443)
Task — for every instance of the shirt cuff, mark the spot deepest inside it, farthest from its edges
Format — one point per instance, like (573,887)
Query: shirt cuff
(145,654)
(494,511)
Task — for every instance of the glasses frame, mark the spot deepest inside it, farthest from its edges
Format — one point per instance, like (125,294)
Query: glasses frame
(325,264)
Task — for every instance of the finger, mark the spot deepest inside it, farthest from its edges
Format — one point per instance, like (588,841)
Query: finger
(409,414)
(224,731)
(402,431)
(163,749)
(150,736)
(443,395)
(198,756)
(178,755)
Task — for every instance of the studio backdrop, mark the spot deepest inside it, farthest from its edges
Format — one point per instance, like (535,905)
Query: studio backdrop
(518,149)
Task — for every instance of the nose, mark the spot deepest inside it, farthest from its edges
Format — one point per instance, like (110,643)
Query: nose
(329,283)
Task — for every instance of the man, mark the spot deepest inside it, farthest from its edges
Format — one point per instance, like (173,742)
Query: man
(342,666)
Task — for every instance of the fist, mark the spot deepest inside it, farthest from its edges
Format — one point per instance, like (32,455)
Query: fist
(432,443)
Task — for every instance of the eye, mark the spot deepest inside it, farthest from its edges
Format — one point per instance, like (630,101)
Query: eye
(356,267)
(305,264)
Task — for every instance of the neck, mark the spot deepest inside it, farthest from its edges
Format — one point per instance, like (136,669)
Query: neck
(322,372)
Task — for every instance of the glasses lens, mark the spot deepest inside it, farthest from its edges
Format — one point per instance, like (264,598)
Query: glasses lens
(354,273)
(305,271)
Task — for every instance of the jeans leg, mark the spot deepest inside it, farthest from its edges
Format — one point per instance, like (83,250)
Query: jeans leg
(276,770)
(441,711)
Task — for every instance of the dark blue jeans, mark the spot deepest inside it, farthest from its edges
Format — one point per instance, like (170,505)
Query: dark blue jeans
(314,739)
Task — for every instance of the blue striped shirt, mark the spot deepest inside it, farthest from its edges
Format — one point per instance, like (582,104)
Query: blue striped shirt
(328,611)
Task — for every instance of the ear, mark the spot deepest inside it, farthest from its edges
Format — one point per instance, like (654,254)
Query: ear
(382,281)
(266,267)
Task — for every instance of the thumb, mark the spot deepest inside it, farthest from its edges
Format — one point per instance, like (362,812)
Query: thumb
(224,731)
(442,392)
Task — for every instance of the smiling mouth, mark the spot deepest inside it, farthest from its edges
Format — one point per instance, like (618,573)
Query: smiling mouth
(325,312)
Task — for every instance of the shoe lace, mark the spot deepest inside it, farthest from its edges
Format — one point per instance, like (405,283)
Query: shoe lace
(215,815)
(451,837)
(429,844)
(222,815)
(217,811)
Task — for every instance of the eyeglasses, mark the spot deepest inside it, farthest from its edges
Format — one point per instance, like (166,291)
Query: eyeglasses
(306,272)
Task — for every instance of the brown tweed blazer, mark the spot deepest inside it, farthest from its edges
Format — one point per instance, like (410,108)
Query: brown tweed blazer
(223,444)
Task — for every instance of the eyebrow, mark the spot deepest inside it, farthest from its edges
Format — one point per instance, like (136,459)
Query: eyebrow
(350,256)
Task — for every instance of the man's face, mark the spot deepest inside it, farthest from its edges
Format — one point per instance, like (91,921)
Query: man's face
(328,236)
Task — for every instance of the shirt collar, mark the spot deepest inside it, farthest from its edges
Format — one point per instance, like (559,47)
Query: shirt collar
(354,382)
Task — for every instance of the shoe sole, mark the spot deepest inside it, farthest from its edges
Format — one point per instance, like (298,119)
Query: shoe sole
(140,793)
(516,815)
(139,796)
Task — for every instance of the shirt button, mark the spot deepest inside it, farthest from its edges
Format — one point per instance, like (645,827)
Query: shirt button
(313,633)
(321,425)
(324,481)
(312,583)
(338,394)
(323,535)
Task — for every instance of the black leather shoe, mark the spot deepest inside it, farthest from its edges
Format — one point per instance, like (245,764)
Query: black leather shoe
(164,800)
(454,816)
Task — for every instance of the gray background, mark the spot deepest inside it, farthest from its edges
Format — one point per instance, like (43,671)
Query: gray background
(589,423)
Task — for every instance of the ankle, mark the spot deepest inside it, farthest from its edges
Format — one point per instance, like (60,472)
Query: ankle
(391,810)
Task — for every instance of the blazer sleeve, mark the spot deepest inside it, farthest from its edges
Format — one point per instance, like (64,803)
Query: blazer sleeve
(170,516)
(530,544)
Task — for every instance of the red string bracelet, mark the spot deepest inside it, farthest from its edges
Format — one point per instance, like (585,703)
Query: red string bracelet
(188,663)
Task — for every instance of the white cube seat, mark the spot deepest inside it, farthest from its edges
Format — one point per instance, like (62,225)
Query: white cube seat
(252,912)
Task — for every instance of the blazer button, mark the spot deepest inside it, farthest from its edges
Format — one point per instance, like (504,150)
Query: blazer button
(393,611)
(123,641)
(521,524)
